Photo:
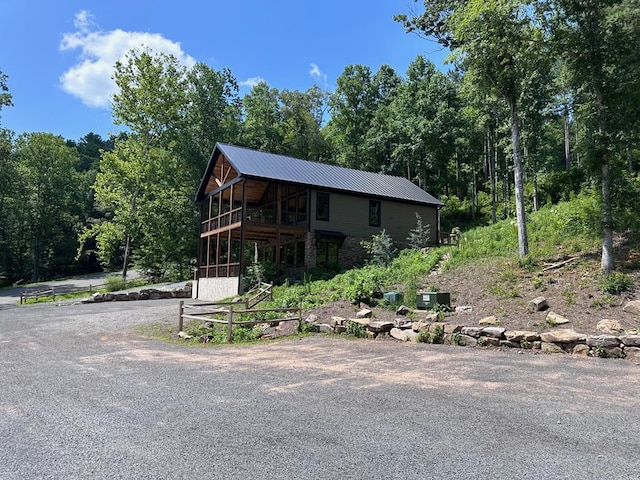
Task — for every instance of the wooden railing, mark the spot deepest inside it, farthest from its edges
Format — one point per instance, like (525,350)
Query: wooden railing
(51,292)
(224,312)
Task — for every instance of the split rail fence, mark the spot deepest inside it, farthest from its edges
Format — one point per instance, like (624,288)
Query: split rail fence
(224,312)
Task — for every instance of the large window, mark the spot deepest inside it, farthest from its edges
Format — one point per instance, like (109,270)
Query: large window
(322,206)
(374,213)
(327,254)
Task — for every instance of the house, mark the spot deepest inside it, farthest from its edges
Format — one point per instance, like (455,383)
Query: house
(296,214)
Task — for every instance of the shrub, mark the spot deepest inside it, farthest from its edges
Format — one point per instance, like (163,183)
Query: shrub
(616,283)
(354,329)
(380,247)
(420,236)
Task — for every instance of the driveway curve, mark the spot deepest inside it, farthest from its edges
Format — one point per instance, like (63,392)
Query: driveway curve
(84,396)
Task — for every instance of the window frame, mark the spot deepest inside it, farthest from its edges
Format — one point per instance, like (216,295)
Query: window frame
(324,195)
(375,208)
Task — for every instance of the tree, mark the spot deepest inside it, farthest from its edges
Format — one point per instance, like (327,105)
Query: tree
(5,96)
(262,128)
(600,40)
(498,40)
(47,179)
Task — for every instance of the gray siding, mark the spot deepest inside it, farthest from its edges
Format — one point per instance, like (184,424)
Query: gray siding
(350,215)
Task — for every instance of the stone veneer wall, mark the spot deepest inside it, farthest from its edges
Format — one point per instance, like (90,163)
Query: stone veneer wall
(350,252)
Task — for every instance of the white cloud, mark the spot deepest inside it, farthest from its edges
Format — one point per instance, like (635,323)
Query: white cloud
(252,82)
(90,79)
(316,73)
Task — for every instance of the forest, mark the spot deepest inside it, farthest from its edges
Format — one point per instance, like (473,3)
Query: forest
(540,102)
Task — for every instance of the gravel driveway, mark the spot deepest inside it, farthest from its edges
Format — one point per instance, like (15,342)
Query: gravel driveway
(84,397)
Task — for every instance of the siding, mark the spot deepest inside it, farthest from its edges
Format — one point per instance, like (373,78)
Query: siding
(350,215)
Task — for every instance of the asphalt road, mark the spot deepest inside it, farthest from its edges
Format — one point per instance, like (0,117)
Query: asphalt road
(84,397)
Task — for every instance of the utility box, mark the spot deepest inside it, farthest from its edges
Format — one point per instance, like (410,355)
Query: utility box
(392,297)
(428,300)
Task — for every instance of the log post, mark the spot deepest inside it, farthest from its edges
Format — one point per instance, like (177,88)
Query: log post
(180,324)
(230,325)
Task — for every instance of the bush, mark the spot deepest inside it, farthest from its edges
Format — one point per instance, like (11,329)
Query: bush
(354,329)
(420,236)
(616,283)
(380,247)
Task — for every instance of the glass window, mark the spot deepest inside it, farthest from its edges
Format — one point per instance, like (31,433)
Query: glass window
(322,206)
(327,254)
(374,213)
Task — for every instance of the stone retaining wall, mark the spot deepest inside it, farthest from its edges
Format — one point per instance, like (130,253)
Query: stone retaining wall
(143,294)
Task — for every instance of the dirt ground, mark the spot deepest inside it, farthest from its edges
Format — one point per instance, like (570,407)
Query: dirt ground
(498,288)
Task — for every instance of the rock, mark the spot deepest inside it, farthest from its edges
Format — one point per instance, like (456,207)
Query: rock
(404,335)
(312,318)
(380,326)
(134,296)
(562,336)
(555,319)
(581,350)
(632,307)
(603,341)
(494,332)
(184,335)
(466,340)
(420,326)
(609,326)
(488,321)
(337,321)
(613,352)
(536,345)
(548,347)
(509,344)
(630,340)
(537,304)
(489,341)
(632,354)
(340,329)
(121,297)
(362,321)
(472,331)
(521,335)
(402,323)
(364,313)
(403,310)
(326,328)
(464,309)
(452,328)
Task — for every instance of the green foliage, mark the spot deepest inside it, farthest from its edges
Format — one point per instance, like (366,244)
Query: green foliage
(380,247)
(420,236)
(303,327)
(615,283)
(114,283)
(354,329)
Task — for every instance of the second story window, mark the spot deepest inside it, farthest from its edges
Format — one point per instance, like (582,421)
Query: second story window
(322,206)
(374,213)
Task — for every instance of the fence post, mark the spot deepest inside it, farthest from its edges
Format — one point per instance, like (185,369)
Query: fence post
(53,293)
(90,289)
(271,291)
(21,297)
(230,325)
(180,316)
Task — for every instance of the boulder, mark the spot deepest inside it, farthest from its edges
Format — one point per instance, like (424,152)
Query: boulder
(491,320)
(404,335)
(554,318)
(402,323)
(630,340)
(632,307)
(537,304)
(403,310)
(609,326)
(326,328)
(548,347)
(452,328)
(603,341)
(474,332)
(362,321)
(364,313)
(581,350)
(337,321)
(494,332)
(562,336)
(420,326)
(312,318)
(466,340)
(340,329)
(632,354)
(380,326)
(509,344)
(464,309)
(489,341)
(521,335)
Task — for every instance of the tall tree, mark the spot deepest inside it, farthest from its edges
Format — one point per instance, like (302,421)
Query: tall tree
(262,128)
(498,40)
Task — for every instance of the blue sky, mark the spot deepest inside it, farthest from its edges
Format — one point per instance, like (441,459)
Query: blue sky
(58,56)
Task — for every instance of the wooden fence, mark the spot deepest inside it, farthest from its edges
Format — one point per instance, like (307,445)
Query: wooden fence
(211,312)
(51,292)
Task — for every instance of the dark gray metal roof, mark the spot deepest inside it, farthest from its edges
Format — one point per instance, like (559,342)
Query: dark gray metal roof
(269,166)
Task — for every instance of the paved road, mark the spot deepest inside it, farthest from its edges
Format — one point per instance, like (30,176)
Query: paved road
(84,397)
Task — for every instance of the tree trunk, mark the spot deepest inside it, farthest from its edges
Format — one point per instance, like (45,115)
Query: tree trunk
(567,135)
(607,263)
(523,245)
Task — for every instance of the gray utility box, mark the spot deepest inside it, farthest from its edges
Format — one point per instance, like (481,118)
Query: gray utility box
(428,300)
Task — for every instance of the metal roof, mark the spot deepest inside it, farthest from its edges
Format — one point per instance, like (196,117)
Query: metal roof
(269,166)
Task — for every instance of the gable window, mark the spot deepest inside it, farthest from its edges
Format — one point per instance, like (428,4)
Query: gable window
(322,206)
(374,213)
